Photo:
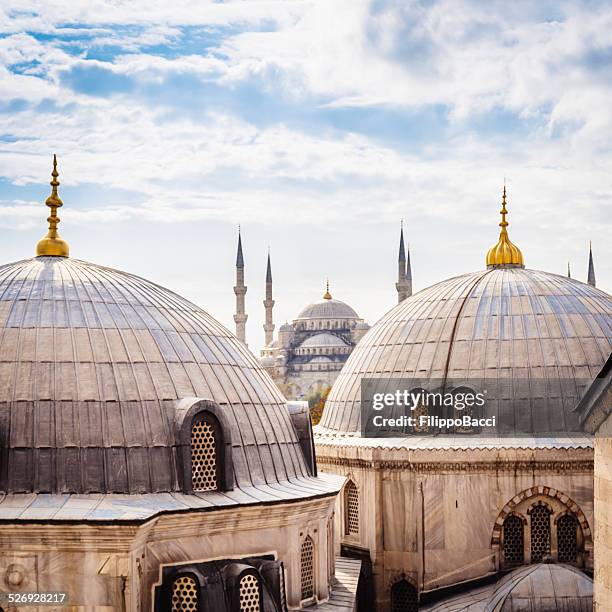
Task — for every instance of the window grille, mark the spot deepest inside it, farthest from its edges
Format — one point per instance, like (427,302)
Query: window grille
(352,508)
(469,411)
(540,533)
(567,538)
(184,595)
(307,568)
(203,456)
(404,597)
(249,593)
(514,544)
(419,411)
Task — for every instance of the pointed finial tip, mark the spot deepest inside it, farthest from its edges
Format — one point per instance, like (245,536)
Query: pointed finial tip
(504,253)
(52,245)
(327,294)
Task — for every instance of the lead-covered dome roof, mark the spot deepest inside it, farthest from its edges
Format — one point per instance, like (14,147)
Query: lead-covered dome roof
(92,364)
(499,323)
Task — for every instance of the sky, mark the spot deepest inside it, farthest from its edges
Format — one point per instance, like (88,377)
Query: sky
(314,125)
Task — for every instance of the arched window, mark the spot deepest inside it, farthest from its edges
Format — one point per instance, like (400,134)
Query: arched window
(351,509)
(250,593)
(540,532)
(204,468)
(567,539)
(404,597)
(514,542)
(307,568)
(185,595)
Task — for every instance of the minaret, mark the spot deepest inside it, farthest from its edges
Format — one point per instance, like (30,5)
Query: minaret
(591,275)
(269,304)
(404,271)
(240,290)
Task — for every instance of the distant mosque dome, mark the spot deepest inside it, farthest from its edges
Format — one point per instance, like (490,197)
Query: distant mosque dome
(314,347)
(327,309)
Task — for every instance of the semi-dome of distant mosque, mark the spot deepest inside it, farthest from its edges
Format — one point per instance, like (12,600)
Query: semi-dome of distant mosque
(324,340)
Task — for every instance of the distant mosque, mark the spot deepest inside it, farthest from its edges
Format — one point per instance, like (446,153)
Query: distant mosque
(306,357)
(308,354)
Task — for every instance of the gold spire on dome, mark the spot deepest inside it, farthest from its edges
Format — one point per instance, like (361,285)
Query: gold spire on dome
(504,253)
(327,294)
(52,245)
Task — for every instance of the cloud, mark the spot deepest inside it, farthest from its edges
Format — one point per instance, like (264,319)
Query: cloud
(316,118)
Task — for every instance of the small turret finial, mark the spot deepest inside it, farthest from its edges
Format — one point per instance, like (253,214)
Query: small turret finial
(569,274)
(52,245)
(504,253)
(327,294)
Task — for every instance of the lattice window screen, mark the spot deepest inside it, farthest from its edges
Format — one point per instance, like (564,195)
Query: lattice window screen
(540,533)
(567,539)
(404,597)
(203,456)
(184,595)
(352,508)
(307,568)
(249,593)
(514,543)
(418,412)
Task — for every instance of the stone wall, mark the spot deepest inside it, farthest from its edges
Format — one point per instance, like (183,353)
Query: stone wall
(603,517)
(430,516)
(114,567)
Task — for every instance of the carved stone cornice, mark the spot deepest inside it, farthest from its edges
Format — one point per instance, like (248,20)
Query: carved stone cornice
(460,466)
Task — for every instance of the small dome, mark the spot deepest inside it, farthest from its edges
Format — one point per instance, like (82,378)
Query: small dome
(286,327)
(323,341)
(327,309)
(499,323)
(543,588)
(531,588)
(93,362)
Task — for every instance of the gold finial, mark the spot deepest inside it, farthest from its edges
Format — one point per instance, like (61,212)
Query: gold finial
(504,253)
(327,294)
(52,245)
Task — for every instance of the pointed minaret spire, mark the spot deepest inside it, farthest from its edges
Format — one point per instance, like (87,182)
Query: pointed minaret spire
(569,274)
(404,271)
(269,305)
(591,275)
(240,318)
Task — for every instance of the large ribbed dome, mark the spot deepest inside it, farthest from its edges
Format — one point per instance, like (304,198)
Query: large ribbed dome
(500,323)
(92,363)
